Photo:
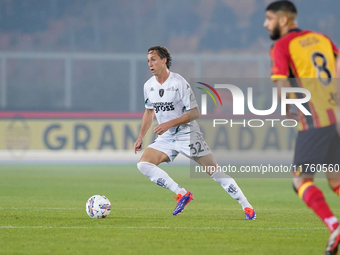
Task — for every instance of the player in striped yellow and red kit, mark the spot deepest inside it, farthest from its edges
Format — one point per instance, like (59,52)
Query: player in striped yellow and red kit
(306,59)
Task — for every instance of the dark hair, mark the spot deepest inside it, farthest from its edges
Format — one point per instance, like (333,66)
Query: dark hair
(162,53)
(285,6)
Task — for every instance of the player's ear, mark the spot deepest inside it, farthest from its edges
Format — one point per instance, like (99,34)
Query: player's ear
(283,20)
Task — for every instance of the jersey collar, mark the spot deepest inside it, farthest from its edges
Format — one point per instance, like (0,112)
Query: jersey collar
(294,30)
(166,81)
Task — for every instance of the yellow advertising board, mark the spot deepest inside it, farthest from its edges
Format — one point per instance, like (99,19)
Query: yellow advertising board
(120,134)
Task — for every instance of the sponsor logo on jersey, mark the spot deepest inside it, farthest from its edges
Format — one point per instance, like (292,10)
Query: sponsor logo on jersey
(170,89)
(163,106)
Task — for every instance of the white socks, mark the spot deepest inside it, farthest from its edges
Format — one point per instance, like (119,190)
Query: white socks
(160,177)
(229,185)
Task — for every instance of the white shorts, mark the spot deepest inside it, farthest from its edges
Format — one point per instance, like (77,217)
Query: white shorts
(192,146)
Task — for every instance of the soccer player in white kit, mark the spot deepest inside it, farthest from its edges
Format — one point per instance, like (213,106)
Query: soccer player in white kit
(169,96)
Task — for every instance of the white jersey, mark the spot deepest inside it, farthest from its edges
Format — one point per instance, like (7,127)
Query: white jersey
(171,100)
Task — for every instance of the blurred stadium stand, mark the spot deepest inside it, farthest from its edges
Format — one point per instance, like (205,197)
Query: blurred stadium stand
(75,70)
(84,55)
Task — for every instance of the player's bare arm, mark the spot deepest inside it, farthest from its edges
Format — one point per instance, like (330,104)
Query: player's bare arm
(284,83)
(191,115)
(146,123)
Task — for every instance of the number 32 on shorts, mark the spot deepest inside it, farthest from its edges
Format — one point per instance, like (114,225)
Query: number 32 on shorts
(197,147)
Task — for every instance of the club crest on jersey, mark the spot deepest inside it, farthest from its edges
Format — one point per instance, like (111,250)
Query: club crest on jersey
(161,92)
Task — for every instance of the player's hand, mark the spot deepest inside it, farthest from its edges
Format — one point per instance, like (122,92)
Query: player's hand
(138,145)
(293,115)
(161,128)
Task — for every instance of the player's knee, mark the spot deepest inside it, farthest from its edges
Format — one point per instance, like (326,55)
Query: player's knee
(333,183)
(297,182)
(294,188)
(146,168)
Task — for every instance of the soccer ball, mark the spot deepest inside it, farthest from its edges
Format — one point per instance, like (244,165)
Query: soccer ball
(98,206)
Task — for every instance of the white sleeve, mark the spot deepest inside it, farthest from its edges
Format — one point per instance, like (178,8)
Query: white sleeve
(147,102)
(187,95)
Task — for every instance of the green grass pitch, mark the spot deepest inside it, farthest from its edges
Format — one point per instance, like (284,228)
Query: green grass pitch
(43,212)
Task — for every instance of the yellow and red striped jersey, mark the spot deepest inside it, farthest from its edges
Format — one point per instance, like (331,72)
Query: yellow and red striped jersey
(309,58)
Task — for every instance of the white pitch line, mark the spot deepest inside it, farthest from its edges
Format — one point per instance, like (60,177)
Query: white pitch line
(36,208)
(127,227)
(122,208)
(59,208)
(143,208)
